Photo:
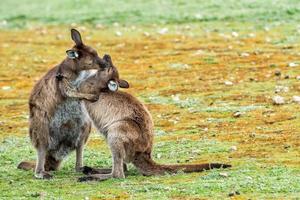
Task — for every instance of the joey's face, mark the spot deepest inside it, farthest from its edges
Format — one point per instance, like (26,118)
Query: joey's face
(109,76)
(84,57)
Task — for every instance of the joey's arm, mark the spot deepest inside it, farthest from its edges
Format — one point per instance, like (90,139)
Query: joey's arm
(68,90)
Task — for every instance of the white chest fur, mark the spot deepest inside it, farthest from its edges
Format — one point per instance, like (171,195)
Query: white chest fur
(83,75)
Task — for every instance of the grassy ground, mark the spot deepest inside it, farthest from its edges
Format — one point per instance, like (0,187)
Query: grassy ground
(20,13)
(179,71)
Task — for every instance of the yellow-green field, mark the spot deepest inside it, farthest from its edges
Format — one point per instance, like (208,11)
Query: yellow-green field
(193,77)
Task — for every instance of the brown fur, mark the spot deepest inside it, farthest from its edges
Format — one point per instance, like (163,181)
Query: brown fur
(128,127)
(52,91)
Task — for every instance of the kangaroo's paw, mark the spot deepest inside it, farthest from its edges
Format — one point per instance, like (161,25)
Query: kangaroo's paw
(43,175)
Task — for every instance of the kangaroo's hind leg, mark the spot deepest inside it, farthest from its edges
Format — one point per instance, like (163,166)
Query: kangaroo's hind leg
(39,135)
(90,170)
(40,166)
(116,144)
(86,130)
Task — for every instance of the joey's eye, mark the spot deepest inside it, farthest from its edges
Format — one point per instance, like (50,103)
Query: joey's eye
(112,86)
(72,54)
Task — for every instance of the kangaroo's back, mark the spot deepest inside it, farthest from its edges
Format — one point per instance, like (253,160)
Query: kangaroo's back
(119,106)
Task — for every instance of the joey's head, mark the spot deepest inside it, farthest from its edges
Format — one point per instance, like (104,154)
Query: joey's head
(106,78)
(81,56)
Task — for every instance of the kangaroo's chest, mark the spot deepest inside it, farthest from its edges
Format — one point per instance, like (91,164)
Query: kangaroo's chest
(68,124)
(66,127)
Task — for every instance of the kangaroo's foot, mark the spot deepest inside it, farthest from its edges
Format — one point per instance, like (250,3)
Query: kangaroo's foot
(95,177)
(90,170)
(43,175)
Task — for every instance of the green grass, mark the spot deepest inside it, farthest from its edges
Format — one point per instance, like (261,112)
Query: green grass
(249,179)
(24,12)
(185,92)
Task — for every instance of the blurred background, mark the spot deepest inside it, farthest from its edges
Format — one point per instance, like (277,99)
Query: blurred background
(220,78)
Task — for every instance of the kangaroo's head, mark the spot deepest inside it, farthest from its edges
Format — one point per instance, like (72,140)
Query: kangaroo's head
(81,56)
(106,78)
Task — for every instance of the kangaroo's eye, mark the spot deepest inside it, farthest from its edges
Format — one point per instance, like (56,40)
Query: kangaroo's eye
(112,86)
(72,54)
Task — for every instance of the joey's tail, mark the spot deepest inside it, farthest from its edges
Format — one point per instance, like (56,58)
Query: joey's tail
(148,167)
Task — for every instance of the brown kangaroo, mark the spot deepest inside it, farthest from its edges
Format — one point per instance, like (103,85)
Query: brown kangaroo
(128,128)
(58,123)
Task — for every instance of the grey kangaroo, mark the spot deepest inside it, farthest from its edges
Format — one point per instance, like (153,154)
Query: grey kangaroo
(58,123)
(128,128)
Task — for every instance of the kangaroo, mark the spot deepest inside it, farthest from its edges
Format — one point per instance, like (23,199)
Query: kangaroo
(128,128)
(58,123)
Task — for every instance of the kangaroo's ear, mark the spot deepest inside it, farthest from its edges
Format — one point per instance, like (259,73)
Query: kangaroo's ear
(72,54)
(76,37)
(123,83)
(107,58)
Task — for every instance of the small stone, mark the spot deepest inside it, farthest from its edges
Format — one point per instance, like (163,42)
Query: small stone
(199,52)
(278,100)
(81,28)
(3,23)
(279,88)
(163,31)
(73,25)
(146,34)
(277,73)
(237,114)
(59,37)
(205,129)
(99,26)
(118,33)
(233,148)
(231,194)
(296,99)
(252,135)
(293,64)
(234,34)
(245,54)
(228,83)
(268,39)
(298,77)
(252,35)
(6,88)
(223,174)
(266,28)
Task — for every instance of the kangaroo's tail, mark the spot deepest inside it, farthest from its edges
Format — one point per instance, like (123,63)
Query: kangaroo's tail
(148,167)
(51,164)
(26,165)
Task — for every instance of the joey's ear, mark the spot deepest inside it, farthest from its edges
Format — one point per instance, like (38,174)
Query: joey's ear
(76,37)
(123,83)
(107,58)
(72,54)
